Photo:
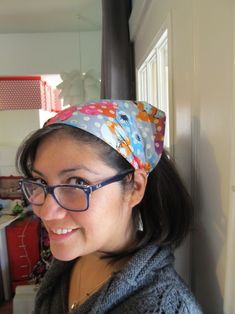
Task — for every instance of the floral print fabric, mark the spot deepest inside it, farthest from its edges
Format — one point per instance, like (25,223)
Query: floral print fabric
(134,129)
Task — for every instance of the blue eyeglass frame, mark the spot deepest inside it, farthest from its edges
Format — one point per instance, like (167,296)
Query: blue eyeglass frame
(87,189)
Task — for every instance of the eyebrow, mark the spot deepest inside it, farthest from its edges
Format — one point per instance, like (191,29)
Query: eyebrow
(66,171)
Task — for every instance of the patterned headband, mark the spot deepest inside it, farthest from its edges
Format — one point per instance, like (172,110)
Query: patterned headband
(133,129)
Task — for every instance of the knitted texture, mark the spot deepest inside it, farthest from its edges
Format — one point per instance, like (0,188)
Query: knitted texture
(147,284)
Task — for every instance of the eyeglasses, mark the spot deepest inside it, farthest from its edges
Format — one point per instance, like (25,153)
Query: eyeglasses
(73,197)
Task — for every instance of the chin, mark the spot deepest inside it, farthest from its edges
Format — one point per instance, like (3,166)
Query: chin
(64,255)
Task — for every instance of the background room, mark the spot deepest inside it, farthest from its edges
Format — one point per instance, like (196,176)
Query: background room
(183,62)
(41,42)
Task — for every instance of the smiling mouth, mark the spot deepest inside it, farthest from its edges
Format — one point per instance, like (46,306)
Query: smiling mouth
(62,231)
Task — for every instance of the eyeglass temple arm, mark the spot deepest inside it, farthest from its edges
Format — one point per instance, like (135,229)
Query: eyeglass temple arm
(116,178)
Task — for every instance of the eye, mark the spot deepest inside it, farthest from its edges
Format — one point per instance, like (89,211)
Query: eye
(38,180)
(77,181)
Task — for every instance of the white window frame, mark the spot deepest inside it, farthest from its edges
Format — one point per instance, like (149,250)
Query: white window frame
(146,90)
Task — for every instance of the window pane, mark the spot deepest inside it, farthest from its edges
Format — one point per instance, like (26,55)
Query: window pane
(153,78)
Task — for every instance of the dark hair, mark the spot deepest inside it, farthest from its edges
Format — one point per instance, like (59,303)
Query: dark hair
(166,208)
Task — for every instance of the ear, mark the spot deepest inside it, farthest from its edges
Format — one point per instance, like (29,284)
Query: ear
(139,186)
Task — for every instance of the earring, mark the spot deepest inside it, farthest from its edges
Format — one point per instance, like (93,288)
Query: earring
(140,223)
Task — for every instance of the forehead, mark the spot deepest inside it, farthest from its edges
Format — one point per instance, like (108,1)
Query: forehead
(65,148)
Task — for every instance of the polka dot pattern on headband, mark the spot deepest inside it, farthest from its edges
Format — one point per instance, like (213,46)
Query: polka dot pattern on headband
(134,129)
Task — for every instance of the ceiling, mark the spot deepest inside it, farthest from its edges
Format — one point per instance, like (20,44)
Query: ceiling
(32,16)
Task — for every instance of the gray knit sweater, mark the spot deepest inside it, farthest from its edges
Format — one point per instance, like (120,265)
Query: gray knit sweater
(147,284)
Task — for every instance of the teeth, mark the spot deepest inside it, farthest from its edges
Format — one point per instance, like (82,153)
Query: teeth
(61,231)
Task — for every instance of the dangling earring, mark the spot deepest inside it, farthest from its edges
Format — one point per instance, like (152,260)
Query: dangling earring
(140,222)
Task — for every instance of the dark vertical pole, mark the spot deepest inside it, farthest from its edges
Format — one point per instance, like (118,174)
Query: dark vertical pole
(117,73)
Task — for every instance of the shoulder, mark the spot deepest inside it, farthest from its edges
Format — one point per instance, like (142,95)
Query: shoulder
(165,296)
(153,286)
(171,293)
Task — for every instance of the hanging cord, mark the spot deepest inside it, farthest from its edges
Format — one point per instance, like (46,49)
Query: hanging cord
(79,43)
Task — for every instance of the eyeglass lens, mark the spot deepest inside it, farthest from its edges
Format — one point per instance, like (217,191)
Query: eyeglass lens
(71,198)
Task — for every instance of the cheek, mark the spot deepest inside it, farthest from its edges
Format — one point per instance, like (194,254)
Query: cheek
(36,210)
(89,220)
(102,215)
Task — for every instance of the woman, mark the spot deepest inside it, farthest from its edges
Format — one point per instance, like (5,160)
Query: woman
(114,208)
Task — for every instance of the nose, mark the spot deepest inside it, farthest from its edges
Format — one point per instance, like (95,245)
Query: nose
(50,210)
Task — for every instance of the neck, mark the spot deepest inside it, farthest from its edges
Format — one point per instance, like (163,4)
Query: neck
(88,275)
(125,241)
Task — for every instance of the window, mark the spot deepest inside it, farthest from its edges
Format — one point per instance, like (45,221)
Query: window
(153,80)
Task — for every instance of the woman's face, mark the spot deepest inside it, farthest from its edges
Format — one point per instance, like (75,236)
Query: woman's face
(106,226)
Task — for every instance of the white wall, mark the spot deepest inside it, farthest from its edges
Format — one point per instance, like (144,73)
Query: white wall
(214,94)
(48,53)
(202,81)
(15,125)
(230,257)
